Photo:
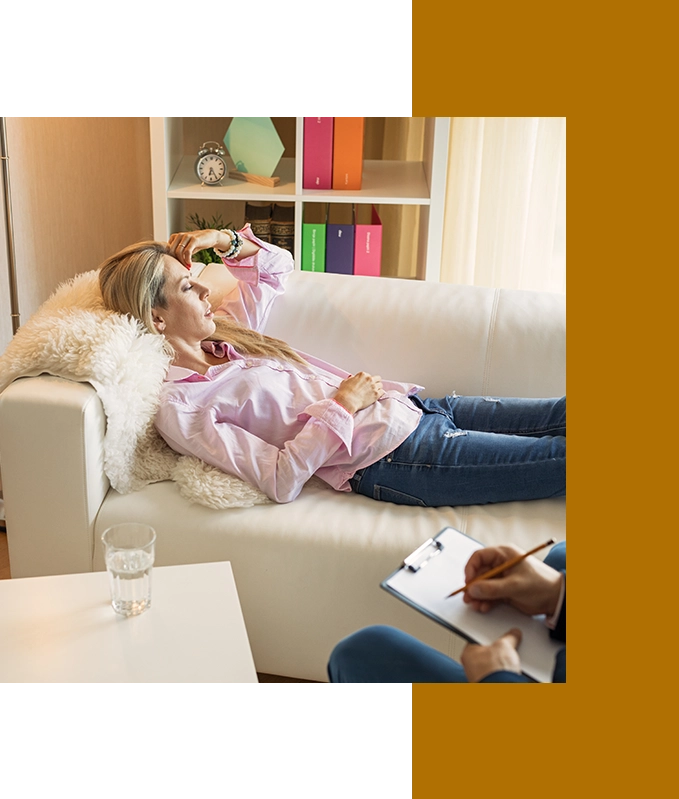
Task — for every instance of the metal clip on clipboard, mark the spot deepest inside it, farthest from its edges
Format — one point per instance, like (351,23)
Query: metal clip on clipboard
(422,555)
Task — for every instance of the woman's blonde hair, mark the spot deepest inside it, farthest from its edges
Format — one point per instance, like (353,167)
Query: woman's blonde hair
(133,282)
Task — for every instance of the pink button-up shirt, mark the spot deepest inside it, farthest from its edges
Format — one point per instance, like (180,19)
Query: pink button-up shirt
(271,422)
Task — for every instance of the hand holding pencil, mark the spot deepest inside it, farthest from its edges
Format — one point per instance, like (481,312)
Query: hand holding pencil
(528,585)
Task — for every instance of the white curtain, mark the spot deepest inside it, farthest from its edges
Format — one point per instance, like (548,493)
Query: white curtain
(505,215)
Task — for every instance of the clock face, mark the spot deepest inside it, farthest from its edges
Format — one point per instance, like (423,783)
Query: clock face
(211,169)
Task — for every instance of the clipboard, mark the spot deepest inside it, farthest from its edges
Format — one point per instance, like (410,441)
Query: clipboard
(434,569)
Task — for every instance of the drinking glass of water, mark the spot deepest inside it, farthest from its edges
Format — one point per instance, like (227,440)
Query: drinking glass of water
(130,551)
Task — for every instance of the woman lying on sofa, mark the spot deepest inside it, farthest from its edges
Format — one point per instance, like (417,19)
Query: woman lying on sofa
(253,407)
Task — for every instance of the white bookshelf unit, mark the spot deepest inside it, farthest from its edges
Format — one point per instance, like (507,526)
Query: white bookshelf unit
(421,183)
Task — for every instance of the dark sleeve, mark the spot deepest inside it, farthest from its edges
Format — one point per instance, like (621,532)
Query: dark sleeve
(559,632)
(560,667)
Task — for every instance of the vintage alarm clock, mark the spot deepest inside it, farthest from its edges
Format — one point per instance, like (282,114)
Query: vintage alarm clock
(210,164)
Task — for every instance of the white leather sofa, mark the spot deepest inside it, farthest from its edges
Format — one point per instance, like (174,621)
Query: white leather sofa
(307,572)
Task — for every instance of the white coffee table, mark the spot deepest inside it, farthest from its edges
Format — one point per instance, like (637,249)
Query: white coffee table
(63,629)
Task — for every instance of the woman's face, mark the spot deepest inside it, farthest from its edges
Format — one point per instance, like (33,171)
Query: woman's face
(188,315)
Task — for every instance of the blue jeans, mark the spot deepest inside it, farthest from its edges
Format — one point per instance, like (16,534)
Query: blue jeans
(385,654)
(472,451)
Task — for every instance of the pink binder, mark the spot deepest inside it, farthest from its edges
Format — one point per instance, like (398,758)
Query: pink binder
(367,241)
(317,164)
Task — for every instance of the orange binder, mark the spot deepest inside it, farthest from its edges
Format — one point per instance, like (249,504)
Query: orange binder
(347,161)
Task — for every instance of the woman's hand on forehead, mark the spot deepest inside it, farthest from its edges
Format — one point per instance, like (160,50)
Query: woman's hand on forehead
(183,246)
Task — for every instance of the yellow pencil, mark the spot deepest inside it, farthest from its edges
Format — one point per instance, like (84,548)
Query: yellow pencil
(502,567)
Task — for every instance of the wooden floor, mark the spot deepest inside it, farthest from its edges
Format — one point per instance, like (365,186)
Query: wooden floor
(5,575)
(4,557)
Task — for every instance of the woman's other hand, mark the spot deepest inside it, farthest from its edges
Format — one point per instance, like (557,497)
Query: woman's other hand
(359,391)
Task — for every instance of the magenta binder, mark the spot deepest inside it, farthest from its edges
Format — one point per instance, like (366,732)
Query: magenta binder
(367,241)
(317,164)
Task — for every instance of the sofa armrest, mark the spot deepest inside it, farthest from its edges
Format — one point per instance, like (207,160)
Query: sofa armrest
(51,456)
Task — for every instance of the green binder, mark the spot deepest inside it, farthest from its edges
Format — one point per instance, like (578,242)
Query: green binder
(313,237)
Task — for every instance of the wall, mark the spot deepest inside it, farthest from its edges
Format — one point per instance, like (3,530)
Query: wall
(81,190)
(5,307)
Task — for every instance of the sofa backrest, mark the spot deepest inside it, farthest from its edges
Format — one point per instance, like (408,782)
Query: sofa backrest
(471,340)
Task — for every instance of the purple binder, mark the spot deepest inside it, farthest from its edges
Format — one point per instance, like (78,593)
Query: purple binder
(339,243)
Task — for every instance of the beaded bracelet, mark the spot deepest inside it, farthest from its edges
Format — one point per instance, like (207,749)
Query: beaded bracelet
(236,245)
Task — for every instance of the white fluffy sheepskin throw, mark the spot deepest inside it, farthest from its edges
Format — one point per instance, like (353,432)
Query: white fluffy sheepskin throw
(73,336)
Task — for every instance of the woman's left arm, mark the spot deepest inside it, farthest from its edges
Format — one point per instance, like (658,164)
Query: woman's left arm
(260,268)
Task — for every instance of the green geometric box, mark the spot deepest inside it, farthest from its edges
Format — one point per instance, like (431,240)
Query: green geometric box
(254,145)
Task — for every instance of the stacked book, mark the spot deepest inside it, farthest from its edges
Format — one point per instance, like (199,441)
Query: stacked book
(272,222)
(333,153)
(342,238)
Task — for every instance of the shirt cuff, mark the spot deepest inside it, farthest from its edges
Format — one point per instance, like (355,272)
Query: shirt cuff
(335,416)
(246,269)
(551,621)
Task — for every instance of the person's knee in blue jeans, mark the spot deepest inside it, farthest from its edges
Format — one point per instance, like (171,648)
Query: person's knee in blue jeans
(385,654)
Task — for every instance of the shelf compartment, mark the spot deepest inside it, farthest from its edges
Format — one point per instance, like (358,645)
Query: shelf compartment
(400,182)
(186,186)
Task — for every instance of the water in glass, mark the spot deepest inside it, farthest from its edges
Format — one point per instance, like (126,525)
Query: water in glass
(130,578)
